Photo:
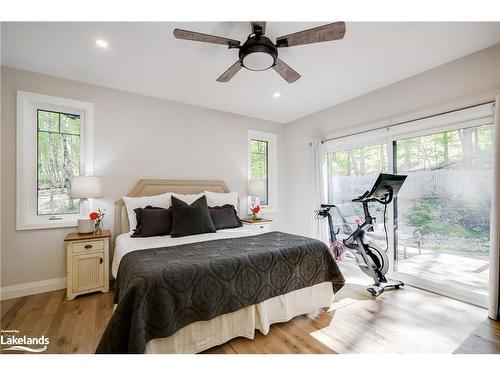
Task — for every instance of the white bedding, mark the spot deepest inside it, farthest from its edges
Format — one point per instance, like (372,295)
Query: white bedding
(199,336)
(125,244)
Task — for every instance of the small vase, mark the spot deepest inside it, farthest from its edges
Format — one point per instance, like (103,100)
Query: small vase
(97,227)
(256,217)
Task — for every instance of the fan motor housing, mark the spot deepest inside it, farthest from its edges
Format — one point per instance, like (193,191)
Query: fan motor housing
(258,53)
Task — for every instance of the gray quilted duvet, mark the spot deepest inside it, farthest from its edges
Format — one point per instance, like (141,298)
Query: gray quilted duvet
(159,291)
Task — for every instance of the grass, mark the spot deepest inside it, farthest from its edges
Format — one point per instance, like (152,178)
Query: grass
(450,217)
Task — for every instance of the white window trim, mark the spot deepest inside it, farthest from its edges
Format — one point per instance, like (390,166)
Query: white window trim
(272,173)
(26,178)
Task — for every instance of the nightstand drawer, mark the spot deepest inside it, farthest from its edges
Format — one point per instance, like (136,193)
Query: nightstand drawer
(260,227)
(86,246)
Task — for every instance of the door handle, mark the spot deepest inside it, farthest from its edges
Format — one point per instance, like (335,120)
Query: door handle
(101,260)
(88,246)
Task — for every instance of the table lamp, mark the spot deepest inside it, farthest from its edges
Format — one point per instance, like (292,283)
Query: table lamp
(84,187)
(256,189)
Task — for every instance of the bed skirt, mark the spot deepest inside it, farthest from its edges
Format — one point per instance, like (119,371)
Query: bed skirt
(202,335)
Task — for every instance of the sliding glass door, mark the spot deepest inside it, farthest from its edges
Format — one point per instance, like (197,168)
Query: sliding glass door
(350,173)
(439,225)
(443,210)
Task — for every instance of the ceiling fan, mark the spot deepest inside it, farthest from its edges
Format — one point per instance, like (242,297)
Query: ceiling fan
(259,53)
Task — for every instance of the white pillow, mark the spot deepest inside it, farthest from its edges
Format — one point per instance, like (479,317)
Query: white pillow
(162,200)
(188,198)
(220,199)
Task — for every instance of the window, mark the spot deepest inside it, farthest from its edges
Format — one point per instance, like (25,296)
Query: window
(54,143)
(263,168)
(58,160)
(443,211)
(351,172)
(259,157)
(439,224)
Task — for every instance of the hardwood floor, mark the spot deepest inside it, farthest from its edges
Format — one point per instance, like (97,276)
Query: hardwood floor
(404,321)
(72,326)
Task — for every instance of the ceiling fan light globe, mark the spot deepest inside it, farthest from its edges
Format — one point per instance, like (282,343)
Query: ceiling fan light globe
(258,61)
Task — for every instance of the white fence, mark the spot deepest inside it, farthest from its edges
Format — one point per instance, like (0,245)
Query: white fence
(441,183)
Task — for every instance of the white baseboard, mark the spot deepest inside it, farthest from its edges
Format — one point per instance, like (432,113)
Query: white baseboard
(21,290)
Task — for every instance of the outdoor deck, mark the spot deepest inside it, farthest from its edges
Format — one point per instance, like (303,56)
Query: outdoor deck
(465,272)
(469,272)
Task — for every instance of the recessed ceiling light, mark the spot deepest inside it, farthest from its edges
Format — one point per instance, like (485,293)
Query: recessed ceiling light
(101,43)
(276,94)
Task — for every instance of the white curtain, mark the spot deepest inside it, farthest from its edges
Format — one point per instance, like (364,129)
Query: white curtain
(494,310)
(317,191)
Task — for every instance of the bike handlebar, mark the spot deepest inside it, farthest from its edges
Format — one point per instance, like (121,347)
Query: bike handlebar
(387,200)
(361,197)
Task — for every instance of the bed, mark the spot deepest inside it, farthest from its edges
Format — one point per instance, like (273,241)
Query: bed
(243,282)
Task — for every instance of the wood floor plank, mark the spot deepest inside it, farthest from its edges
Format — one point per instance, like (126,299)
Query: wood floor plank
(56,299)
(221,349)
(33,316)
(6,306)
(82,340)
(12,311)
(485,339)
(104,310)
(62,327)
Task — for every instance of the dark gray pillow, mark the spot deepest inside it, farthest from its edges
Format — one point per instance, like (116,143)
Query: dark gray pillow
(225,217)
(191,219)
(153,221)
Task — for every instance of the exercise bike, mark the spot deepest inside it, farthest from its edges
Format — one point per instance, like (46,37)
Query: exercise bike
(371,259)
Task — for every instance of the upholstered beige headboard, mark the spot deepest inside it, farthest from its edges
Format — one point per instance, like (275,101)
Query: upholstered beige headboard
(155,187)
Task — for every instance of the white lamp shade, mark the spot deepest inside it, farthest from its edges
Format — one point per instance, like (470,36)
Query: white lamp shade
(86,187)
(257,188)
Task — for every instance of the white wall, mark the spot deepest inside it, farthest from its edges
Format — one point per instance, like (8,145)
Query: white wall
(135,137)
(469,80)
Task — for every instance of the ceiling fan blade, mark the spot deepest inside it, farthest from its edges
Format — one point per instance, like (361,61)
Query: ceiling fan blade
(285,71)
(230,73)
(325,33)
(199,37)
(258,25)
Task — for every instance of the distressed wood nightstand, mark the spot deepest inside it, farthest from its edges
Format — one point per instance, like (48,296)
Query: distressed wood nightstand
(87,263)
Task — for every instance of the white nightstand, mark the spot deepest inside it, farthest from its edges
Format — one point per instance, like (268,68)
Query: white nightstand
(260,226)
(88,263)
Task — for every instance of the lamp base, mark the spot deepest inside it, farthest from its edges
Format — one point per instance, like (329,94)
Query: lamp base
(85,226)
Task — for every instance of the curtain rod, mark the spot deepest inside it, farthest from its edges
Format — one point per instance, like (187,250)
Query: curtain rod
(407,121)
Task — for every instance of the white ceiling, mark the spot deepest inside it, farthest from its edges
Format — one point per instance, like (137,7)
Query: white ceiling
(145,58)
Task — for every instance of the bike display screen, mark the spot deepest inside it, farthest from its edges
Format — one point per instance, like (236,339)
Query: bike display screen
(384,183)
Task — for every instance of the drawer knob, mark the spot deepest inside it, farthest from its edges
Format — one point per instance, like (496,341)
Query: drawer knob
(88,246)
(101,260)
